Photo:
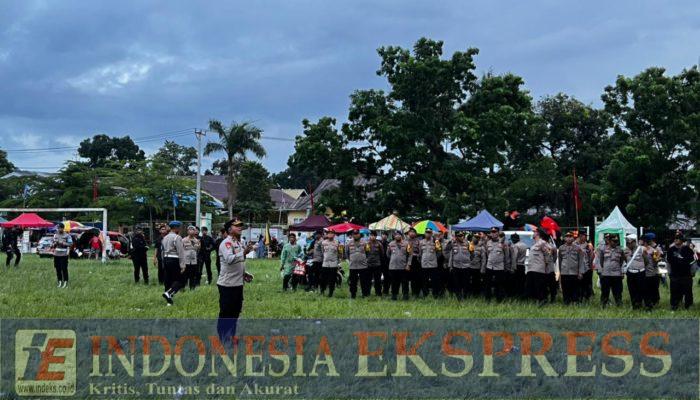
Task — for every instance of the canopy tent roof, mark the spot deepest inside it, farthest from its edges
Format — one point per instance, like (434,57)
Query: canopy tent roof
(28,220)
(615,223)
(345,227)
(311,224)
(483,222)
(390,223)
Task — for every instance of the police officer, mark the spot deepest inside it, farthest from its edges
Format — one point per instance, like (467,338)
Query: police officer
(496,267)
(553,274)
(231,279)
(635,270)
(315,250)
(206,247)
(477,262)
(415,272)
(375,255)
(611,260)
(651,273)
(458,262)
(222,236)
(586,282)
(539,265)
(139,257)
(62,242)
(399,259)
(331,263)
(518,256)
(571,268)
(429,250)
(386,275)
(158,254)
(680,257)
(9,242)
(192,246)
(174,261)
(356,252)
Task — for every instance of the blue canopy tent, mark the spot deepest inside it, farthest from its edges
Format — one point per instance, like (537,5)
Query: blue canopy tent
(483,222)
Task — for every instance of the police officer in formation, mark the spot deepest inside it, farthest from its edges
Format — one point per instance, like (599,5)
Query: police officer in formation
(415,271)
(331,253)
(192,245)
(375,258)
(611,259)
(496,267)
(538,269)
(356,253)
(428,251)
(459,259)
(586,282)
(635,271)
(518,257)
(313,269)
(572,266)
(651,273)
(399,255)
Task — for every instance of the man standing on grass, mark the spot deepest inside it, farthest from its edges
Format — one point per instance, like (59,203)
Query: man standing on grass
(477,262)
(586,282)
(158,255)
(386,275)
(290,252)
(222,235)
(429,250)
(571,268)
(356,252)
(517,258)
(398,254)
(139,257)
(637,260)
(9,242)
(173,261)
(231,279)
(496,267)
(651,273)
(192,246)
(458,261)
(331,262)
(680,258)
(206,247)
(62,243)
(375,258)
(611,260)
(538,268)
(415,272)
(313,271)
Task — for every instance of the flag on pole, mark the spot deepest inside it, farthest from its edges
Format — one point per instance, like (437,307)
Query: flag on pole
(576,194)
(550,226)
(25,192)
(267,234)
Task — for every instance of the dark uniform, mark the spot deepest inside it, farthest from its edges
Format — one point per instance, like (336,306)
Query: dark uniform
(158,246)
(9,243)
(375,259)
(139,257)
(386,275)
(207,245)
(217,244)
(586,282)
(679,259)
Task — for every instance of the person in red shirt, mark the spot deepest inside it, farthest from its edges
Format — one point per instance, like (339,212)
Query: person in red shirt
(95,247)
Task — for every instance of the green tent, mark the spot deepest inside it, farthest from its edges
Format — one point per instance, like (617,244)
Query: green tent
(615,224)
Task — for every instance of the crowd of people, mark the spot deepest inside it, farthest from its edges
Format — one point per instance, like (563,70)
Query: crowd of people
(490,266)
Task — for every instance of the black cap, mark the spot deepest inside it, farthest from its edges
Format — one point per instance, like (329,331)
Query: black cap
(234,222)
(412,229)
(459,233)
(355,231)
(515,238)
(494,229)
(373,233)
(428,230)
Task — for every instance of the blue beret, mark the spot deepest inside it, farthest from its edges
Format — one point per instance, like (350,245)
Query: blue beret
(175,224)
(649,236)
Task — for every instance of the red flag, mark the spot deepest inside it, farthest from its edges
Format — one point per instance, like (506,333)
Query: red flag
(550,226)
(577,196)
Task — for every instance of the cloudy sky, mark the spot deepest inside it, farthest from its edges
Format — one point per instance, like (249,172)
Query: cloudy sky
(156,69)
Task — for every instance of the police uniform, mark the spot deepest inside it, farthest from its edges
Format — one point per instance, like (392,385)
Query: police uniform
(458,262)
(477,262)
(415,273)
(330,264)
(518,257)
(429,250)
(173,261)
(537,272)
(611,260)
(158,247)
(571,269)
(207,245)
(356,253)
(552,284)
(313,274)
(398,255)
(375,259)
(637,260)
(586,282)
(680,259)
(495,269)
(386,275)
(230,282)
(191,245)
(139,259)
(651,275)
(9,242)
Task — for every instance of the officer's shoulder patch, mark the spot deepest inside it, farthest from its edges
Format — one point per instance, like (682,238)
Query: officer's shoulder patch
(228,245)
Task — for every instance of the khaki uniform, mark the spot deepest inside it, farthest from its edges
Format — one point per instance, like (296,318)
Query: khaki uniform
(432,276)
(572,266)
(398,255)
(356,253)
(611,260)
(232,259)
(637,260)
(497,264)
(651,276)
(174,261)
(537,274)
(330,264)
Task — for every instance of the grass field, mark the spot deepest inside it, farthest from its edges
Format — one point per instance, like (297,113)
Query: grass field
(108,291)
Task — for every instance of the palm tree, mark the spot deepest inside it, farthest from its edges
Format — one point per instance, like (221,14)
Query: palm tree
(236,141)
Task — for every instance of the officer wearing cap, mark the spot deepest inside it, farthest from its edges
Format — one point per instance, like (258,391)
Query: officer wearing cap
(680,259)
(611,259)
(331,263)
(635,270)
(477,262)
(173,261)
(651,273)
(192,245)
(571,268)
(518,256)
(398,254)
(539,265)
(415,272)
(458,261)
(375,258)
(586,282)
(356,252)
(139,259)
(496,266)
(231,278)
(428,251)
(315,250)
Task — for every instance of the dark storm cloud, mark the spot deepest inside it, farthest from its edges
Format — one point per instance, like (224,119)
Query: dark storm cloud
(72,69)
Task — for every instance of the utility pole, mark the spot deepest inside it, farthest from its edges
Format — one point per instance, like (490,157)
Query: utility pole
(198,212)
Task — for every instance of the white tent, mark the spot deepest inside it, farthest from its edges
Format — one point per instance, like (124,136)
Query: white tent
(616,223)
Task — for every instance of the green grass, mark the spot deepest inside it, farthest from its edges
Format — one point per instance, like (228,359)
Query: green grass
(108,291)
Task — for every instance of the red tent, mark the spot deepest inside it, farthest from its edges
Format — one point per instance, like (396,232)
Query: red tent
(27,220)
(345,227)
(313,223)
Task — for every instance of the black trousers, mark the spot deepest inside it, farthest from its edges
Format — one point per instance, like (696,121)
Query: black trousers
(416,278)
(681,290)
(474,286)
(635,285)
(190,276)
(432,278)
(651,291)
(399,277)
(61,265)
(610,284)
(328,279)
(230,306)
(386,278)
(140,262)
(205,263)
(460,282)
(552,286)
(13,252)
(161,270)
(516,284)
(586,285)
(313,275)
(375,275)
(292,279)
(495,284)
(174,280)
(570,288)
(536,286)
(364,278)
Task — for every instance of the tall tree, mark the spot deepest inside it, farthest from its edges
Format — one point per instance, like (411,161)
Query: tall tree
(101,148)
(179,160)
(235,141)
(254,186)
(5,165)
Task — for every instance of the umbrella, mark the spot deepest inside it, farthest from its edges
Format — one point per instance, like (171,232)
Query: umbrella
(345,227)
(390,223)
(421,226)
